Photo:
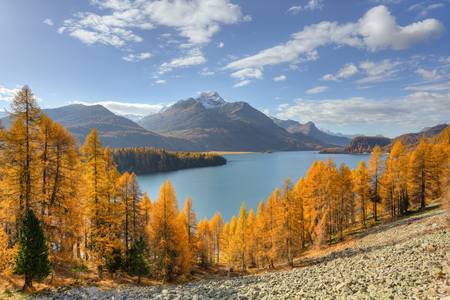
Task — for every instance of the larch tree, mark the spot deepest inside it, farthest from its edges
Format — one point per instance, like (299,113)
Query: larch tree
(361,189)
(216,225)
(251,239)
(417,174)
(190,223)
(375,173)
(168,236)
(204,243)
(240,238)
(99,238)
(20,144)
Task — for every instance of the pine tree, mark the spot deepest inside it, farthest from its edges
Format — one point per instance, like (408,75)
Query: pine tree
(32,260)
(138,264)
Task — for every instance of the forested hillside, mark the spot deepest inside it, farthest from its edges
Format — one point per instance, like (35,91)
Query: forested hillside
(67,206)
(141,160)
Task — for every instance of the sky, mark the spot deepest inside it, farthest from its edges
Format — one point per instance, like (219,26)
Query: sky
(353,66)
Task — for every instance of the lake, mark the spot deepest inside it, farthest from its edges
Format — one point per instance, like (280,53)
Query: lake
(247,178)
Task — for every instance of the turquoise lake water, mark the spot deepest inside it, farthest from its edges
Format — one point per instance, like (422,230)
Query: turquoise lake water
(247,178)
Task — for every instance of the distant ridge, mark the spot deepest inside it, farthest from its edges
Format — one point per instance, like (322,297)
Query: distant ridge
(310,129)
(114,130)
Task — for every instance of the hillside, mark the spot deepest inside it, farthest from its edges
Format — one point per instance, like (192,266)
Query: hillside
(310,129)
(407,259)
(215,124)
(365,144)
(412,139)
(115,131)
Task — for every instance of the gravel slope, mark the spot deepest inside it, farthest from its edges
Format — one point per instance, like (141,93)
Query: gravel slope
(408,259)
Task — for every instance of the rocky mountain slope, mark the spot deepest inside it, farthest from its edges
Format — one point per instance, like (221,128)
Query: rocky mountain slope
(310,129)
(406,259)
(215,124)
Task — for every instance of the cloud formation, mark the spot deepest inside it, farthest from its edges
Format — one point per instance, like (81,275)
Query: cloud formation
(195,20)
(49,22)
(279,78)
(135,57)
(311,5)
(316,90)
(7,94)
(345,72)
(124,108)
(406,111)
(376,30)
(193,58)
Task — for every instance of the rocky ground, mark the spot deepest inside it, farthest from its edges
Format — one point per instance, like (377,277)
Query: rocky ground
(407,259)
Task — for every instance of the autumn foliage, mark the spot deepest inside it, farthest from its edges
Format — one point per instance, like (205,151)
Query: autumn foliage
(90,212)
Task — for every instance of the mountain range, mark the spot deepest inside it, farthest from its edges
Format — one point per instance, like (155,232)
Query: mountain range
(203,123)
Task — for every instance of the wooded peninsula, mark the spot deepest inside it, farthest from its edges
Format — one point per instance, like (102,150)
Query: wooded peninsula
(145,160)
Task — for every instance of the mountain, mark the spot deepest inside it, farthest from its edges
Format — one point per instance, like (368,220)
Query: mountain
(114,130)
(310,129)
(412,139)
(216,124)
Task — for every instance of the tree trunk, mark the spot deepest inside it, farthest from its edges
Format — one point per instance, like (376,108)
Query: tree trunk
(28,284)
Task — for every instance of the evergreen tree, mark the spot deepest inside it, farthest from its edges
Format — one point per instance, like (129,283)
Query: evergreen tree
(138,264)
(32,259)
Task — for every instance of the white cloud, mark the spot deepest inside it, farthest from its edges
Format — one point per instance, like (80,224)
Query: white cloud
(160,81)
(195,20)
(245,76)
(8,94)
(193,58)
(311,5)
(435,87)
(246,73)
(406,111)
(132,57)
(280,78)
(379,71)
(316,90)
(206,72)
(220,45)
(424,8)
(345,72)
(429,75)
(376,30)
(112,30)
(124,108)
(242,83)
(49,22)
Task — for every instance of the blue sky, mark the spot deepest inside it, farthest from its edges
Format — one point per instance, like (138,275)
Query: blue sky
(362,66)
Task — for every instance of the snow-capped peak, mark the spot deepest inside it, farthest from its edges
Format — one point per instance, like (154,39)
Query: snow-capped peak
(210,100)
